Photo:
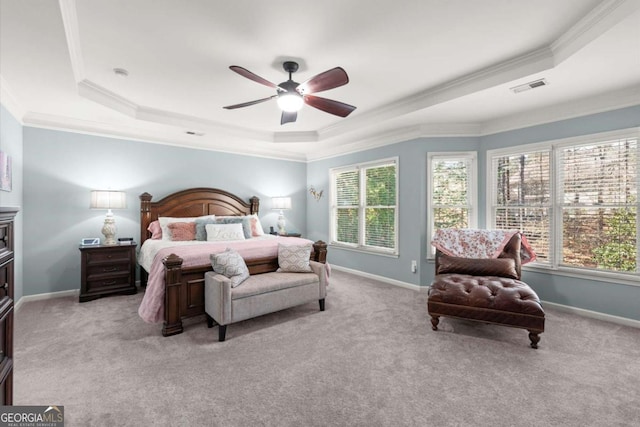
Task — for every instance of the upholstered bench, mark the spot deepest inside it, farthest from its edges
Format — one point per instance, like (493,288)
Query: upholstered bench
(261,294)
(486,290)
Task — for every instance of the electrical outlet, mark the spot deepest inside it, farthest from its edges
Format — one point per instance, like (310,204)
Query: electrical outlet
(414,266)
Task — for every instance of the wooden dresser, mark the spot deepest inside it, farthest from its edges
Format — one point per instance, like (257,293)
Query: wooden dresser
(7,243)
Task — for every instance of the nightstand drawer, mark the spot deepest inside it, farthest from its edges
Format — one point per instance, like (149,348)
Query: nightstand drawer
(108,256)
(108,269)
(102,283)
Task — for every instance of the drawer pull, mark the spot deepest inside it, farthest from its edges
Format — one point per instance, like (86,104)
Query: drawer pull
(106,269)
(112,282)
(5,286)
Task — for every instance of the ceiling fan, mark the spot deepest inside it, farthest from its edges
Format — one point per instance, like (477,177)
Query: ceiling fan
(291,95)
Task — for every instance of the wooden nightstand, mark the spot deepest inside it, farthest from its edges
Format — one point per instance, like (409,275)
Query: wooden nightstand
(107,270)
(275,233)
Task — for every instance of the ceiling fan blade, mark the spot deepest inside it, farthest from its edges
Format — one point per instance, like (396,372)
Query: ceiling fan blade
(248,74)
(330,79)
(329,105)
(288,117)
(246,104)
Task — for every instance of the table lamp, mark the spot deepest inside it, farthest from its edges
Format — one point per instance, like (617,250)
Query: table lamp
(281,203)
(104,199)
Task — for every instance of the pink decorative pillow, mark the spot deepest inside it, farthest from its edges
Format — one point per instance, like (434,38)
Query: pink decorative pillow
(181,231)
(155,230)
(256,226)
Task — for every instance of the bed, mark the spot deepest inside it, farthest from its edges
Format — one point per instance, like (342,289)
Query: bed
(175,280)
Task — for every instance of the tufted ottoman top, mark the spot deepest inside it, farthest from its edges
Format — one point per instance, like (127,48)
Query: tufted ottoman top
(490,292)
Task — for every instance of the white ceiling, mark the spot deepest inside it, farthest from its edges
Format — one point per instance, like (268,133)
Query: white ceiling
(416,68)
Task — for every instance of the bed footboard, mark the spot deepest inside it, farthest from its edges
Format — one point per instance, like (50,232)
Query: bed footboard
(184,288)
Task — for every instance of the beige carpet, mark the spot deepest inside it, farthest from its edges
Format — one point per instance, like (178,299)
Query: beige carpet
(371,359)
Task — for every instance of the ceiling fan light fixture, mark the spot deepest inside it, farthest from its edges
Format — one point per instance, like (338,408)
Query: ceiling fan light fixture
(290,102)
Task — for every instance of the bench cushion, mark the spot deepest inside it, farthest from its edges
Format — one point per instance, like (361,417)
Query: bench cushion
(270,282)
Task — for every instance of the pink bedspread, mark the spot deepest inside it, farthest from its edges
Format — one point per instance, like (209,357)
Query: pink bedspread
(477,243)
(152,307)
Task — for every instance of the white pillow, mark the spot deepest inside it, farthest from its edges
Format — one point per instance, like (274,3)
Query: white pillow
(221,232)
(166,220)
(294,258)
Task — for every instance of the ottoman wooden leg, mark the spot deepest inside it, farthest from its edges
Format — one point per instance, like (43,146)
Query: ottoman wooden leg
(535,338)
(434,322)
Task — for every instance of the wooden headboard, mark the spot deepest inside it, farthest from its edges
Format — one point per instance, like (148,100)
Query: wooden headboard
(193,202)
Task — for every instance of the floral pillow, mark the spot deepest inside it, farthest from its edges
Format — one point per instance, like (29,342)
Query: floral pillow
(181,231)
(294,258)
(231,265)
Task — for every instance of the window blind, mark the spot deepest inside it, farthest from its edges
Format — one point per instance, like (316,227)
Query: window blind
(522,197)
(598,195)
(450,194)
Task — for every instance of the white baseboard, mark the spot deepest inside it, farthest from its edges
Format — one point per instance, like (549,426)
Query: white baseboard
(593,314)
(379,278)
(50,295)
(60,294)
(561,307)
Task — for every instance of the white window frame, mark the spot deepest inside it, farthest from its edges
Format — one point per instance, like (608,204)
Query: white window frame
(472,202)
(556,240)
(361,246)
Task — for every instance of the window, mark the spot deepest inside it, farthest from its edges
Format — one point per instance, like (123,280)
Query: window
(452,191)
(522,197)
(575,200)
(364,206)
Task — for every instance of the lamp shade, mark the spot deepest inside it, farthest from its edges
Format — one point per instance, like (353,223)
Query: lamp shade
(104,199)
(281,203)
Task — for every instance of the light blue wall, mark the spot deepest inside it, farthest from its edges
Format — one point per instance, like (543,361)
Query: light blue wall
(11,143)
(412,207)
(611,298)
(61,168)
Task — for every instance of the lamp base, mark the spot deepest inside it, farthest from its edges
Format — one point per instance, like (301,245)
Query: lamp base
(281,223)
(109,230)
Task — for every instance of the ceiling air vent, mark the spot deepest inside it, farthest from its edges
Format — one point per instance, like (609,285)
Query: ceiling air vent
(531,85)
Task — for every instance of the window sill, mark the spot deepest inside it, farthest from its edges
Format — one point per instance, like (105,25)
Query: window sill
(589,274)
(363,250)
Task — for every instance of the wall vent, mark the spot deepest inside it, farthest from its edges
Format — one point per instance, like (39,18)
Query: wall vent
(531,85)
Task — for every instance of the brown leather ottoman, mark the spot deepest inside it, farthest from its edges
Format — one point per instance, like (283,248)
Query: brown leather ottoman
(486,290)
(489,299)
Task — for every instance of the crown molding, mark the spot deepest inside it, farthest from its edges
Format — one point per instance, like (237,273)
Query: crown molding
(599,20)
(9,101)
(518,67)
(94,92)
(72,31)
(601,103)
(286,137)
(374,139)
(224,145)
